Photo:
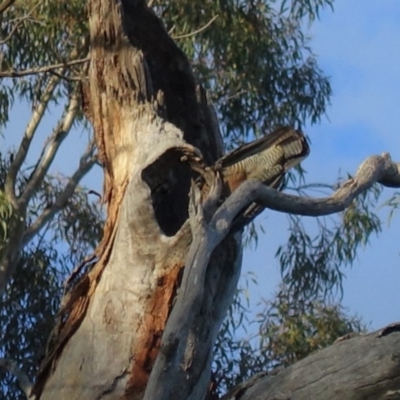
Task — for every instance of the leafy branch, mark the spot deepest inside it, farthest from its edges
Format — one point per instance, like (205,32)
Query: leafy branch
(19,22)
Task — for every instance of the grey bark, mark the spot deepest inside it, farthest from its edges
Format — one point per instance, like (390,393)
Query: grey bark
(108,353)
(207,235)
(359,368)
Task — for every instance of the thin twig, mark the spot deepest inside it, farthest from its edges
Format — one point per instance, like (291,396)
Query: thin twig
(172,29)
(187,35)
(239,93)
(75,78)
(39,70)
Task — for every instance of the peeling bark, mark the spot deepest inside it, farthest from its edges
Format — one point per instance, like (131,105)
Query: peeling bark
(111,323)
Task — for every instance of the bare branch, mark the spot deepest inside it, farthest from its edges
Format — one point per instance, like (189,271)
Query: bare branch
(86,162)
(174,356)
(23,381)
(375,169)
(19,22)
(30,130)
(6,4)
(32,71)
(50,150)
(76,78)
(203,28)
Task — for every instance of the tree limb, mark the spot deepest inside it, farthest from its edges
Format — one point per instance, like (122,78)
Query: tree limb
(375,169)
(178,339)
(50,150)
(32,71)
(23,381)
(29,133)
(86,162)
(357,368)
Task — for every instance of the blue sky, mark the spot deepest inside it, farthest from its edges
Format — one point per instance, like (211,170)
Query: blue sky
(358,47)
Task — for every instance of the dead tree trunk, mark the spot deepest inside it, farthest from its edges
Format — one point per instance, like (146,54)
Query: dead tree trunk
(354,368)
(147,112)
(125,330)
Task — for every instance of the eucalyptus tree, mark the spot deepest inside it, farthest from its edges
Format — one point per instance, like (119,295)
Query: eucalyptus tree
(124,328)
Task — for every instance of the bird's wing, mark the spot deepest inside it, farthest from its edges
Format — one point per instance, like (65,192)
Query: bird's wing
(265,159)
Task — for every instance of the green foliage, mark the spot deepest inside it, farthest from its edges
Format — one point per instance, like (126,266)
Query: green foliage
(40,33)
(393,203)
(288,329)
(255,60)
(32,297)
(291,328)
(305,8)
(312,265)
(28,309)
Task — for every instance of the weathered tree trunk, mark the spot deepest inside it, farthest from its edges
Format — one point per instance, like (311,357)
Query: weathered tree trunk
(147,111)
(125,330)
(358,368)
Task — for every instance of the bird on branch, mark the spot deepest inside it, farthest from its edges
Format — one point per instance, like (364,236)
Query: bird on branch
(266,159)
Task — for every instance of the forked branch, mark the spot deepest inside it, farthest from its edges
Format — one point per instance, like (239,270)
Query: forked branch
(375,169)
(178,345)
(19,20)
